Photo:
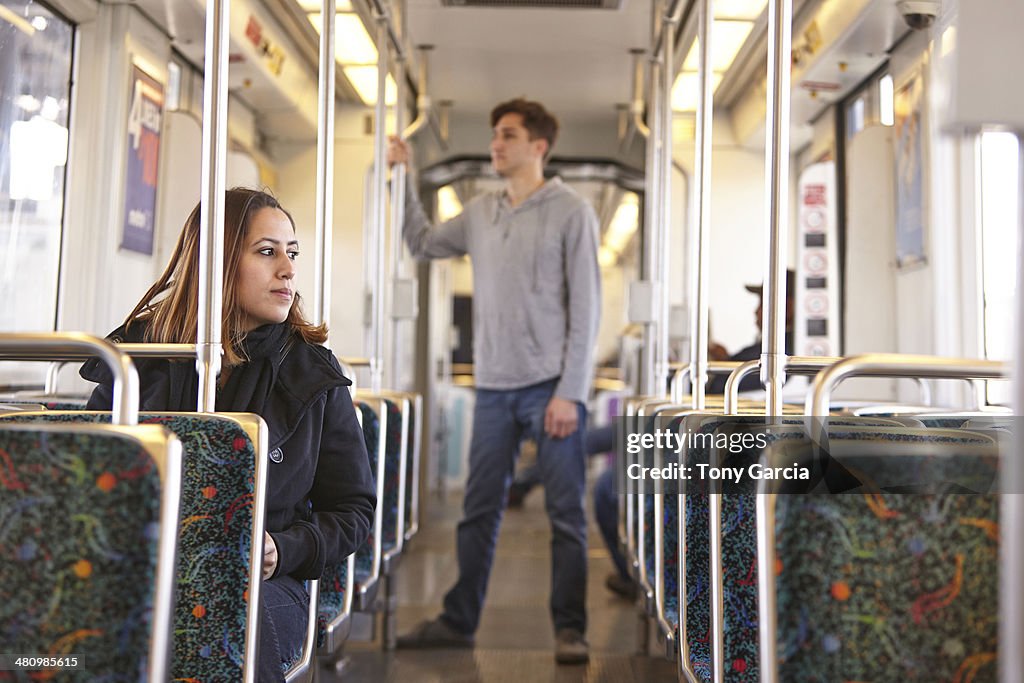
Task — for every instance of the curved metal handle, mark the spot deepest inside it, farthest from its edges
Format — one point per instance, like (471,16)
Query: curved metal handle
(897,365)
(61,345)
(795,365)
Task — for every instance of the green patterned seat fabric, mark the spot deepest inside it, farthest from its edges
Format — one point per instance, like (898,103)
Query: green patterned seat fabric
(371,432)
(883,586)
(79,525)
(214,542)
(411,450)
(392,466)
(332,598)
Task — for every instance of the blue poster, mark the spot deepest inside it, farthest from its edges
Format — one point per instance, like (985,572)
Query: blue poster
(144,117)
(910,210)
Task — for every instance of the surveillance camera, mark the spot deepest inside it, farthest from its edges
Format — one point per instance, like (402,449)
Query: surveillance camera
(919,14)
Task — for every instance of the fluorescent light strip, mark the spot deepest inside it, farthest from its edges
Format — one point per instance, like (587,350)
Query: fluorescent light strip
(727,37)
(318,5)
(686,90)
(352,44)
(364,80)
(739,9)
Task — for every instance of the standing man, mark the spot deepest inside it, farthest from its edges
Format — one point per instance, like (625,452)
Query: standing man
(536,304)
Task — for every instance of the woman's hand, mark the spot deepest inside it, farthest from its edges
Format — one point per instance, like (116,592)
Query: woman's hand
(269,555)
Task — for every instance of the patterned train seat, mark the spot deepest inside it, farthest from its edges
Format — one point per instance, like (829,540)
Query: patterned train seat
(88,517)
(368,557)
(218,575)
(897,580)
(739,547)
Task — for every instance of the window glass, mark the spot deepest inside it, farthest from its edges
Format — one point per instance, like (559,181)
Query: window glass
(1000,199)
(35,75)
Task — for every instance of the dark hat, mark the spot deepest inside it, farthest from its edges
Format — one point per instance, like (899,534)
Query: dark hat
(790,285)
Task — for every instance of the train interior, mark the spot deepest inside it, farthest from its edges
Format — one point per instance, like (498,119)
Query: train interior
(898,198)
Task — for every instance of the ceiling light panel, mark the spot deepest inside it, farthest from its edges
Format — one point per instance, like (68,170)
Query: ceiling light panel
(727,37)
(364,80)
(318,5)
(686,90)
(739,9)
(352,44)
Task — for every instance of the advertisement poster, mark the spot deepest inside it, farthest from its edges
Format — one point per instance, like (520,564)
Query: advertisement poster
(909,180)
(144,117)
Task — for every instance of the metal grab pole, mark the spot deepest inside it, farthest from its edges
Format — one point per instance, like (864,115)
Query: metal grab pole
(324,167)
(76,345)
(780,30)
(773,344)
(211,212)
(380,207)
(668,27)
(649,259)
(398,180)
(702,193)
(1011,604)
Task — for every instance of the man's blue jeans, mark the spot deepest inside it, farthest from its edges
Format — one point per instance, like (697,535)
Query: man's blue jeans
(500,420)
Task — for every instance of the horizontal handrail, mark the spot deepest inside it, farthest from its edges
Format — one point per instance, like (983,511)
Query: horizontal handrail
(72,353)
(354,362)
(59,345)
(898,365)
(683,370)
(795,365)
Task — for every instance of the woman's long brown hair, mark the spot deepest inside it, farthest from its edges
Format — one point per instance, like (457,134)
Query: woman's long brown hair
(170,309)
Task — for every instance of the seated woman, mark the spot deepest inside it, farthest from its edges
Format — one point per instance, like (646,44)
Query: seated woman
(320,493)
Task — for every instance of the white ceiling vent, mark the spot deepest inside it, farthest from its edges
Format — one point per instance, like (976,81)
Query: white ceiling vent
(554,4)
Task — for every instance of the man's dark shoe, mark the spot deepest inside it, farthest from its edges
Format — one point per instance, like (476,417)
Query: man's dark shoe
(623,587)
(570,647)
(434,633)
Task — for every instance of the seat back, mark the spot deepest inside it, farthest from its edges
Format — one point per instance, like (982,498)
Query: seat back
(368,556)
(223,499)
(88,519)
(897,579)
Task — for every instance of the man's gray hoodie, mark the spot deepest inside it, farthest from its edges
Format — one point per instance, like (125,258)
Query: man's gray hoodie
(536,284)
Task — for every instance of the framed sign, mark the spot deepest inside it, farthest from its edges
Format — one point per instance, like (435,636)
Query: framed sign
(910,208)
(140,184)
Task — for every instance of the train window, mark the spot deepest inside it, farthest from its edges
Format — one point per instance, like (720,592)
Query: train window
(871,105)
(35,76)
(998,160)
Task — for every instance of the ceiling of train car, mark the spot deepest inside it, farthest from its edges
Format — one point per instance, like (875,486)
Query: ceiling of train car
(576,61)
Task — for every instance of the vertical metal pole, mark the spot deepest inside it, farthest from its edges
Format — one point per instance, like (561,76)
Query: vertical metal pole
(1011,618)
(702,194)
(780,29)
(380,213)
(665,199)
(324,167)
(211,212)
(652,198)
(398,180)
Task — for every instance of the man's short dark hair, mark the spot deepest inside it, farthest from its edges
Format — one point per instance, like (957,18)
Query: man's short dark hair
(537,120)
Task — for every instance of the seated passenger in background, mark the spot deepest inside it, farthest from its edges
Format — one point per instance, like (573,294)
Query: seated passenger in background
(320,493)
(752,382)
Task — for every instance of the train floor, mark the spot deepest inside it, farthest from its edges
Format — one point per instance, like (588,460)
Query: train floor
(515,642)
